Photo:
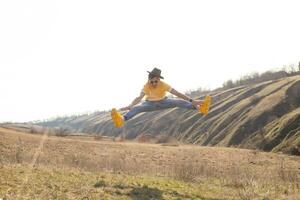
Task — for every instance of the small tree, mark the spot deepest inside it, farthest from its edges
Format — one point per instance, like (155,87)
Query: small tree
(292,69)
(228,84)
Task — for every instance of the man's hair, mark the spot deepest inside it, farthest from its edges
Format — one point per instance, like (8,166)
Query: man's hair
(151,76)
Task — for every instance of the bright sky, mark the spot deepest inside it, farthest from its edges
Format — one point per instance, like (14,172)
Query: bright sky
(65,56)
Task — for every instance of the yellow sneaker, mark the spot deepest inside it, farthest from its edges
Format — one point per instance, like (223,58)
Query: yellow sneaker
(204,108)
(117,118)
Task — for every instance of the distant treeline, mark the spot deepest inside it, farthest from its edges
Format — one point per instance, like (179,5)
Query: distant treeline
(255,77)
(251,78)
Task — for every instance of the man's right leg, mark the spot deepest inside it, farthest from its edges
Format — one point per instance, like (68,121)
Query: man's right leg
(144,107)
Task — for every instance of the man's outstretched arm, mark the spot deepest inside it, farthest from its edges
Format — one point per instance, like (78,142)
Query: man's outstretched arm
(134,102)
(185,97)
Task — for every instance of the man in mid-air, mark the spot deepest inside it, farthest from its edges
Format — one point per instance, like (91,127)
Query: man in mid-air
(155,91)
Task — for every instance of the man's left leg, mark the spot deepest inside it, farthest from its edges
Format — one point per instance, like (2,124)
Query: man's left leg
(202,108)
(172,103)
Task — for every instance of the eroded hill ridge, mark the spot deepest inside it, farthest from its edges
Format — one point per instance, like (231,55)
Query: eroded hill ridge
(262,116)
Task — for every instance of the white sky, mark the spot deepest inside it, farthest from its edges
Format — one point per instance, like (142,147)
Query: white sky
(66,56)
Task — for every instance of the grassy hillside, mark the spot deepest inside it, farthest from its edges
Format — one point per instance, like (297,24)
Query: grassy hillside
(50,167)
(260,116)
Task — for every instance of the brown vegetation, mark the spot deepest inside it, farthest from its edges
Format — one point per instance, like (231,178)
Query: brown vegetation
(245,172)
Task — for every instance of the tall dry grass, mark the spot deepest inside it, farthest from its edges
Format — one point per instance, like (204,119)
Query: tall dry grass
(187,164)
(246,180)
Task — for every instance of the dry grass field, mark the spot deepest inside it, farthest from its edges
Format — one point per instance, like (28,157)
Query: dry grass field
(50,167)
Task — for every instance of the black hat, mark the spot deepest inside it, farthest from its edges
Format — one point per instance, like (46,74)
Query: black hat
(156,73)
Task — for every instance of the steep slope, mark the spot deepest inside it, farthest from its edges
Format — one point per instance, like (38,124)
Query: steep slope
(264,116)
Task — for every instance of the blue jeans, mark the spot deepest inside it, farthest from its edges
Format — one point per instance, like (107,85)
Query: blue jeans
(158,105)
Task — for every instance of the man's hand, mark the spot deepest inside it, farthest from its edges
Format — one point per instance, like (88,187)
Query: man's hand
(135,101)
(197,103)
(125,108)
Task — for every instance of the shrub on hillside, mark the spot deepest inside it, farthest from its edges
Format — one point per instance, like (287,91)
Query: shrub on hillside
(161,139)
(144,138)
(98,137)
(62,131)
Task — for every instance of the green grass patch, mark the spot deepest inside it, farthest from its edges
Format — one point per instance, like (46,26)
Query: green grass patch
(20,182)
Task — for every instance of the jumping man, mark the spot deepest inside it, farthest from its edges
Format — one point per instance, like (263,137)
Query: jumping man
(155,91)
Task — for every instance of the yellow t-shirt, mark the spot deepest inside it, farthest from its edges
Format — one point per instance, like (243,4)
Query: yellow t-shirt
(158,93)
